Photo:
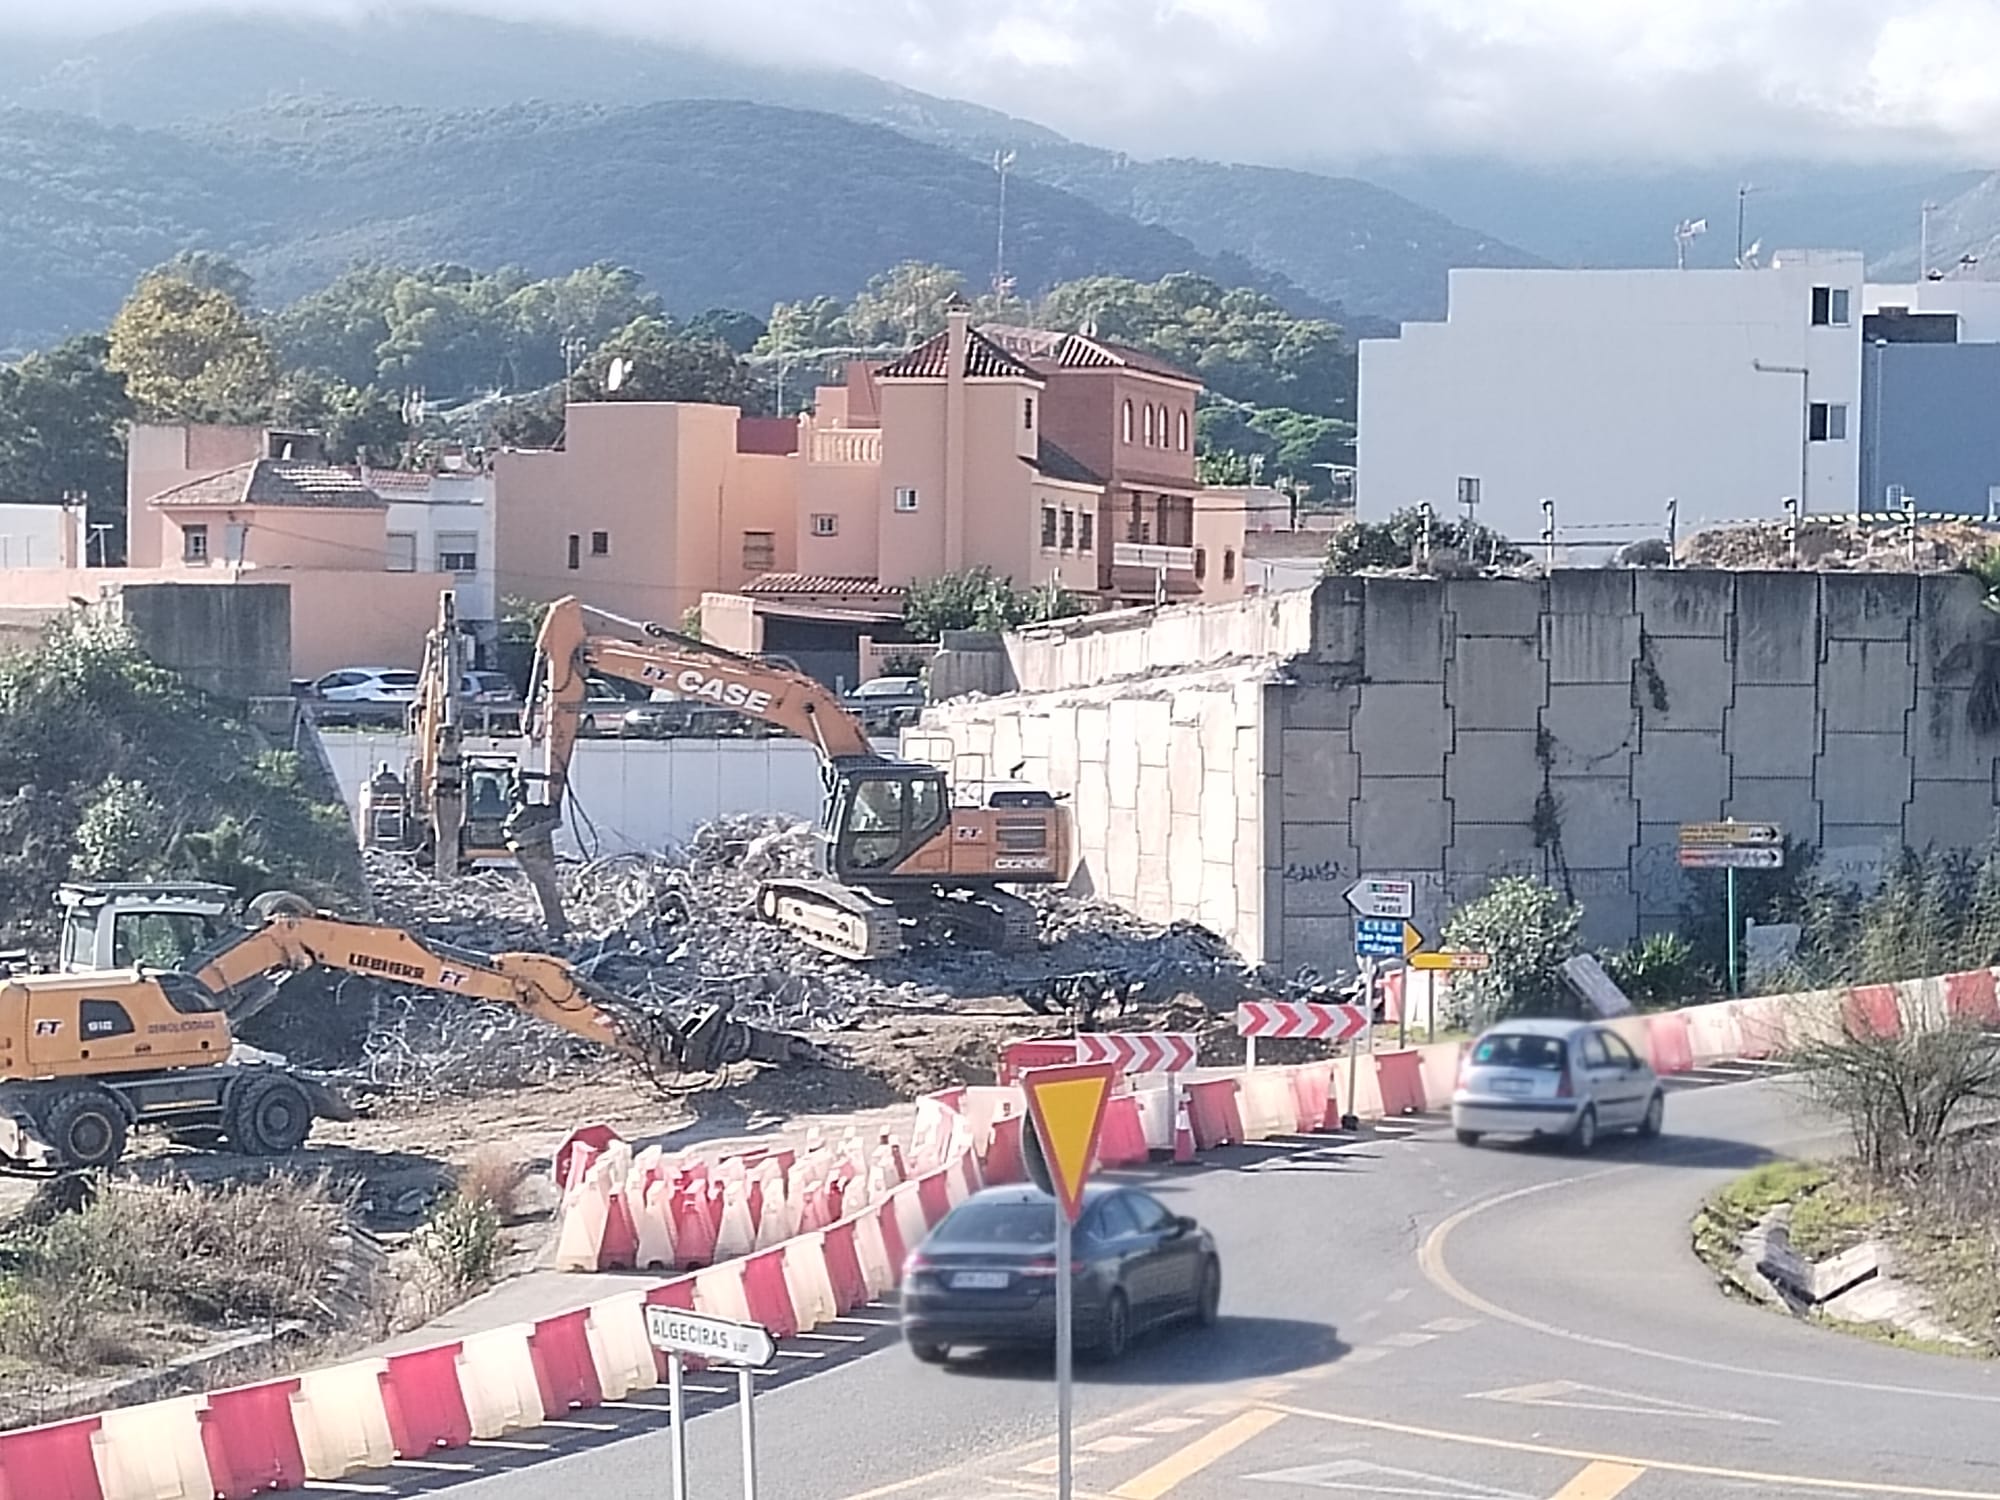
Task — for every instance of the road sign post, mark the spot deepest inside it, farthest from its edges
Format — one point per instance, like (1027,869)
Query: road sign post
(1730,846)
(678,1333)
(1066,1104)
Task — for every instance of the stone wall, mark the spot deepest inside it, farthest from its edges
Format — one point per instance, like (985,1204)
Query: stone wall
(1451,733)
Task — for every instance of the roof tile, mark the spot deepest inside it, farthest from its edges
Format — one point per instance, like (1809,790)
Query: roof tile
(270,481)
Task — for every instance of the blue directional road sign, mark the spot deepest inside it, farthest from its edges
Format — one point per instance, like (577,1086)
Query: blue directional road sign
(1385,937)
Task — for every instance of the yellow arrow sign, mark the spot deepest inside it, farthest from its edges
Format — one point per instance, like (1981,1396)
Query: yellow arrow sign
(1412,939)
(1451,960)
(1067,1104)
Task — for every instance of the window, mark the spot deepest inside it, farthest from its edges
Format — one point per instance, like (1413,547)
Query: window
(575,551)
(1829,306)
(1086,532)
(1028,412)
(1515,1049)
(1112,1219)
(600,544)
(760,551)
(1068,528)
(1127,423)
(1152,1214)
(826,525)
(1181,429)
(402,552)
(1149,424)
(1826,422)
(194,544)
(1200,564)
(906,500)
(1228,564)
(458,552)
(1622,1056)
(1048,525)
(1594,1055)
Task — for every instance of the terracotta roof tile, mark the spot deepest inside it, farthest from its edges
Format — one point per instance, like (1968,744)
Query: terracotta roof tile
(270,481)
(820,584)
(1046,349)
(984,359)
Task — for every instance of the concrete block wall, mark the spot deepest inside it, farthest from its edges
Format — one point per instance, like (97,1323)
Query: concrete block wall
(1455,732)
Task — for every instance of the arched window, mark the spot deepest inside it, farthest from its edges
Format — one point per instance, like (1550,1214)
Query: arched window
(1128,421)
(1149,424)
(1181,429)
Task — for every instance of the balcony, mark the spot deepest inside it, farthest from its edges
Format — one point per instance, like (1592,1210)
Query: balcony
(845,445)
(1137,569)
(1152,557)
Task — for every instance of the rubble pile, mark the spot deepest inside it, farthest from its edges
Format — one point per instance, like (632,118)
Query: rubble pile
(675,933)
(1880,544)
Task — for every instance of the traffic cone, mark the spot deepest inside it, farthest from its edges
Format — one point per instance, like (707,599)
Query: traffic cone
(1183,1128)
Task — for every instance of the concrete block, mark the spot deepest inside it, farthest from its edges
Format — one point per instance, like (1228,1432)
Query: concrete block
(1777,629)
(1493,776)
(1155,727)
(1680,778)
(1496,682)
(1592,591)
(1593,729)
(1158,808)
(1862,778)
(1690,676)
(1868,606)
(1403,630)
(1183,766)
(1217,813)
(1482,853)
(1183,861)
(1599,822)
(1772,731)
(1942,742)
(1318,775)
(1952,620)
(1590,648)
(1322,944)
(1949,815)
(1121,761)
(1495,606)
(1153,898)
(1337,641)
(1401,821)
(1610,909)
(1867,686)
(1306,704)
(1402,729)
(1119,869)
(1220,910)
(1320,863)
(1858,854)
(1685,601)
(1658,881)
(1093,731)
(1788,801)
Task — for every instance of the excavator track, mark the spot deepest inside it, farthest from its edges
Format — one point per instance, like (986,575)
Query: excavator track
(837,919)
(990,919)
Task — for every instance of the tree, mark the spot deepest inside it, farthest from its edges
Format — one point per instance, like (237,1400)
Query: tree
(978,600)
(820,323)
(741,331)
(658,364)
(189,354)
(358,424)
(903,305)
(212,273)
(1530,931)
(62,432)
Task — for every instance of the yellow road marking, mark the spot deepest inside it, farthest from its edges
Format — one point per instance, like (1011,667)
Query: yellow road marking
(1668,1466)
(1601,1481)
(1215,1444)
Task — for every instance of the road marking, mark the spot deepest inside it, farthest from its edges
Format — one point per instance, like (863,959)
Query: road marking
(1359,1476)
(1451,1325)
(1408,1340)
(1118,1442)
(1579,1397)
(1205,1450)
(1663,1465)
(1051,1462)
(1167,1426)
(1431,1261)
(1601,1481)
(1367,1354)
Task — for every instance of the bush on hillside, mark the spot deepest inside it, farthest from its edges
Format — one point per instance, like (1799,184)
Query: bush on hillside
(1530,931)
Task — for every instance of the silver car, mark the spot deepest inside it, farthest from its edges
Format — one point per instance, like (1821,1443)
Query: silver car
(1570,1079)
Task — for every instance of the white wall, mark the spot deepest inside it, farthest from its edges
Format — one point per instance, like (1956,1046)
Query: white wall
(41,536)
(1612,391)
(640,795)
(1977,304)
(452,503)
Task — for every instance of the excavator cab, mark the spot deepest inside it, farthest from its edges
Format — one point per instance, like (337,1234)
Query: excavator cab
(883,813)
(492,791)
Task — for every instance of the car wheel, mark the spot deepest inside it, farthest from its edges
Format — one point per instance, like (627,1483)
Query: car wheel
(1656,1114)
(931,1354)
(1116,1336)
(1467,1137)
(1583,1134)
(1208,1300)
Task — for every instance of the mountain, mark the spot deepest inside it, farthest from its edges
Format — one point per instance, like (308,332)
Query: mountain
(717,203)
(1378,254)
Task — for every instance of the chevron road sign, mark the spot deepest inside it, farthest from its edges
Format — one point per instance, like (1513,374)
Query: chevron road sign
(1307,1019)
(1139,1051)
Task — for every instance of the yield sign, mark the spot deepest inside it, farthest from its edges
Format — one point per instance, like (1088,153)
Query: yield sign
(1579,1397)
(1067,1104)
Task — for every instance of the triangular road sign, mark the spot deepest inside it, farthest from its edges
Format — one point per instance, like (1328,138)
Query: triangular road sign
(1357,1476)
(1067,1105)
(1578,1397)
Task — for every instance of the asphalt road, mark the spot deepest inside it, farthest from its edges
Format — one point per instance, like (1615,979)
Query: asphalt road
(1402,1317)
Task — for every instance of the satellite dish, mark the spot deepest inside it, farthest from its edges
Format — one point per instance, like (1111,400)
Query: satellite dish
(615,376)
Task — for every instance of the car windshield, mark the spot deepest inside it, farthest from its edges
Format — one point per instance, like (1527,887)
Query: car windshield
(1513,1049)
(999,1224)
(398,679)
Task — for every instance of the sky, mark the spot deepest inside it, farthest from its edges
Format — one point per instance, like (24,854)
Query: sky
(1326,80)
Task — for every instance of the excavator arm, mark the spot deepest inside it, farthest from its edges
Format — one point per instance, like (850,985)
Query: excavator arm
(292,939)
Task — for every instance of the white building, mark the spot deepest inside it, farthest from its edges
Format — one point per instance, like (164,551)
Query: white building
(1612,392)
(443,523)
(42,536)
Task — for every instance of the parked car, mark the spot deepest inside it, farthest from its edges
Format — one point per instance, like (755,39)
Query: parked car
(358,695)
(887,704)
(492,705)
(986,1275)
(604,707)
(1568,1079)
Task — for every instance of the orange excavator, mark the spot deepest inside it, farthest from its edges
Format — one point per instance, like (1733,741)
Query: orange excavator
(895,844)
(90,1052)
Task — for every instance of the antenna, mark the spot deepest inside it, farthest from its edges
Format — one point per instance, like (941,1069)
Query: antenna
(1924,240)
(1743,192)
(1003,162)
(1684,234)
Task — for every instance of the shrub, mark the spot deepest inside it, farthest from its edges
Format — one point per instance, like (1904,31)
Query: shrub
(460,1244)
(1901,1096)
(1658,970)
(1530,931)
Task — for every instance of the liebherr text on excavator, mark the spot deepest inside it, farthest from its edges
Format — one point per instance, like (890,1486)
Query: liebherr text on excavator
(895,842)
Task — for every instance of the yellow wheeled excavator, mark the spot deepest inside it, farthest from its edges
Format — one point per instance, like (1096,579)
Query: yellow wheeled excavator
(89,1052)
(896,842)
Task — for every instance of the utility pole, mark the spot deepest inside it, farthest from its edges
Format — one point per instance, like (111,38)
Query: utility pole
(1673,529)
(1002,162)
(1743,192)
(1924,244)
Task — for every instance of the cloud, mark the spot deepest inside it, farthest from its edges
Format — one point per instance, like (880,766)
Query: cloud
(1333,80)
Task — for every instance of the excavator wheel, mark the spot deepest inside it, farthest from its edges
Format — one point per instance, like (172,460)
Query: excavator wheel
(85,1127)
(268,1114)
(279,904)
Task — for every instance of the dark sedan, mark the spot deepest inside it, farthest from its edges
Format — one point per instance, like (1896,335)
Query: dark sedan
(986,1276)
